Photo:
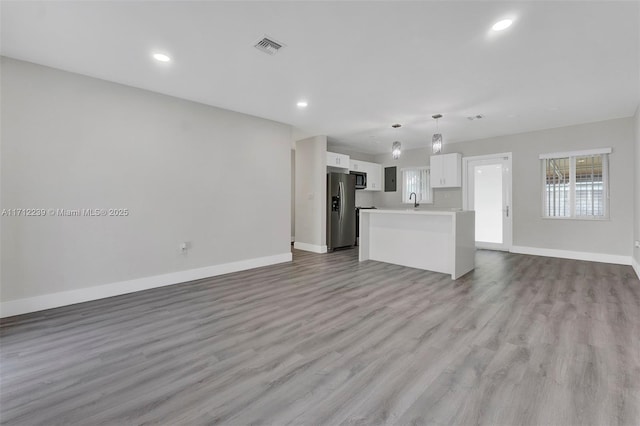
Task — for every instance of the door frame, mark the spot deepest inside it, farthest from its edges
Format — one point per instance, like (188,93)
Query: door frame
(506,156)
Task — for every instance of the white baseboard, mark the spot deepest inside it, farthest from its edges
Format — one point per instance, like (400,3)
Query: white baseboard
(636,266)
(309,247)
(54,300)
(576,255)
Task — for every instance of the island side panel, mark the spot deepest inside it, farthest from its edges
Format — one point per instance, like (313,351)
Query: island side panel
(363,244)
(465,247)
(414,240)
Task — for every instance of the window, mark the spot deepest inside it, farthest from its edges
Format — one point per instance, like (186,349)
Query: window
(416,180)
(575,184)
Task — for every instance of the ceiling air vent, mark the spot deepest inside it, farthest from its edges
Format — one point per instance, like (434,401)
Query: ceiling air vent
(268,46)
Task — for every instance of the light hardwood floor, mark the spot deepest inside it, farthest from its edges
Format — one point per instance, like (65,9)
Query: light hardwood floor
(522,340)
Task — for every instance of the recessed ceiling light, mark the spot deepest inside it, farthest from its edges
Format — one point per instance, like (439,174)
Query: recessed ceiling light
(502,25)
(302,104)
(161,57)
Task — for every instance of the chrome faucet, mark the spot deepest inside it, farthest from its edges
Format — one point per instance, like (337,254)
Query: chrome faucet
(415,200)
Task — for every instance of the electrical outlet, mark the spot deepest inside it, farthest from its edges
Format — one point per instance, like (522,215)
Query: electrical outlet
(637,244)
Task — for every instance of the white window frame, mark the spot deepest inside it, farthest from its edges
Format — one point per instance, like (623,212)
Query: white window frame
(572,155)
(420,196)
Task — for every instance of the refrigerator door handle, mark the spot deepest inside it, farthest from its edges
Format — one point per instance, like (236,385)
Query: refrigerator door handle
(341,195)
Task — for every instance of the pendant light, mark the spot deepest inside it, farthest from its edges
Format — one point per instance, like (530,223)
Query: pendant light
(436,140)
(396,150)
(396,147)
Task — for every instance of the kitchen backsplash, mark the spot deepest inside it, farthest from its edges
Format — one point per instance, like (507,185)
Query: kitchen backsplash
(364,198)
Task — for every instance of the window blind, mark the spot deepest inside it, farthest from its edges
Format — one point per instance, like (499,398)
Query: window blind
(576,185)
(416,180)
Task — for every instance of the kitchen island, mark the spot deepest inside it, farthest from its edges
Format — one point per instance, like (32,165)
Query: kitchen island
(435,240)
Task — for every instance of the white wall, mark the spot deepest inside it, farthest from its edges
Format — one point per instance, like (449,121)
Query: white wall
(311,194)
(186,172)
(353,155)
(364,198)
(636,220)
(293,194)
(612,236)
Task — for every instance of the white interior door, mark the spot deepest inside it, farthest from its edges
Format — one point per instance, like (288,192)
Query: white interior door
(487,190)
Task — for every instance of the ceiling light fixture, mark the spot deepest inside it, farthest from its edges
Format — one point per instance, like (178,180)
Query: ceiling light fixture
(502,25)
(302,104)
(396,150)
(161,57)
(396,147)
(436,139)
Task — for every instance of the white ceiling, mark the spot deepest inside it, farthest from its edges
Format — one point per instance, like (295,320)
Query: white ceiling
(362,66)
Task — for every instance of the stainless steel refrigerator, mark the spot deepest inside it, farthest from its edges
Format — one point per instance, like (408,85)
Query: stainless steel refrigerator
(341,210)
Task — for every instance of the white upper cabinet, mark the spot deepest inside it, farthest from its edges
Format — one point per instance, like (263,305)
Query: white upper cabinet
(373,171)
(337,160)
(446,170)
(356,165)
(374,177)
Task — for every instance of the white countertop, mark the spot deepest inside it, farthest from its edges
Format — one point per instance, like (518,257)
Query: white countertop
(448,212)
